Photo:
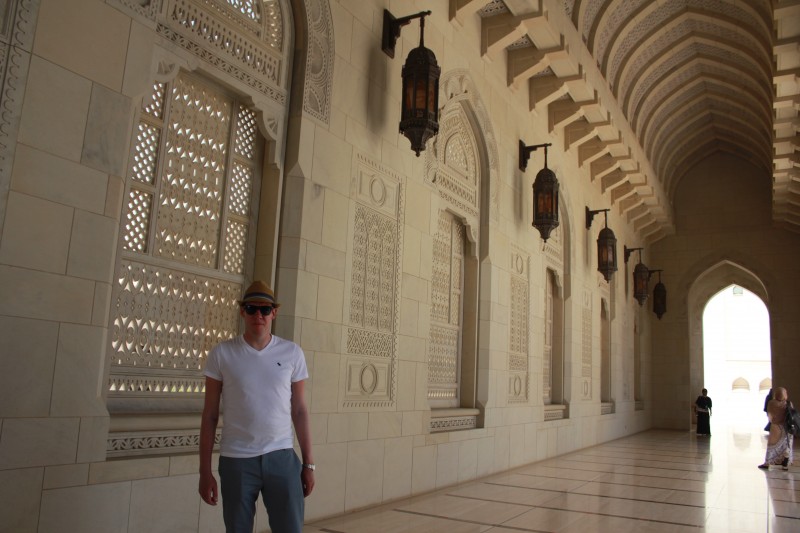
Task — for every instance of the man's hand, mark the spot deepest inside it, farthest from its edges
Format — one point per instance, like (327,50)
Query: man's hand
(307,478)
(208,488)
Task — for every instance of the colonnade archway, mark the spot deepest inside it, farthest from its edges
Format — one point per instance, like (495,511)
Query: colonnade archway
(706,286)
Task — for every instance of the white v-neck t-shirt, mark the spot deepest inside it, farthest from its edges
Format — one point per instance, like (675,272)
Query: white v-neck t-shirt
(256,394)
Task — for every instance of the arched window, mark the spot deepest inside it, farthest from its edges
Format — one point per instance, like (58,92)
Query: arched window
(185,233)
(740,384)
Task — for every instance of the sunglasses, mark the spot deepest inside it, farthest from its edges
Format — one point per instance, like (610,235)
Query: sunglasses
(253,309)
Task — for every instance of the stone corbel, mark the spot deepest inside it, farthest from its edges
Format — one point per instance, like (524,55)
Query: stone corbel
(270,124)
(641,210)
(616,178)
(630,203)
(611,180)
(522,63)
(605,165)
(563,112)
(461,10)
(166,64)
(580,132)
(500,31)
(622,192)
(542,90)
(594,149)
(787,76)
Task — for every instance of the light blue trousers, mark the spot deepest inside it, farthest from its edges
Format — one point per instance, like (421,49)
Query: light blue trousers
(276,475)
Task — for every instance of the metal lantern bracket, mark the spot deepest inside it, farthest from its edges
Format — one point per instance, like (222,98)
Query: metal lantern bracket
(590,216)
(653,271)
(629,251)
(392,27)
(525,153)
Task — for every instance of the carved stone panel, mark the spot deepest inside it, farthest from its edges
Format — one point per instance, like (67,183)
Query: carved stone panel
(241,38)
(373,271)
(586,342)
(456,172)
(519,323)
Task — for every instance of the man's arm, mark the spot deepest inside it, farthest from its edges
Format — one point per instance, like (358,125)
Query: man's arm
(303,432)
(208,428)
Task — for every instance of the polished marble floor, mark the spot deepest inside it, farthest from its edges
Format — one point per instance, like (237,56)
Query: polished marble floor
(656,481)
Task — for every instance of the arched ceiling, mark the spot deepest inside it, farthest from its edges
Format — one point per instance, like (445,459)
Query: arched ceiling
(645,89)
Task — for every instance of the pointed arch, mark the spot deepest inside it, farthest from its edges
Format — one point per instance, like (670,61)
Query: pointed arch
(708,277)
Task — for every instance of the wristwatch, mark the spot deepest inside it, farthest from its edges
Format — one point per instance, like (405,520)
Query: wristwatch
(310,466)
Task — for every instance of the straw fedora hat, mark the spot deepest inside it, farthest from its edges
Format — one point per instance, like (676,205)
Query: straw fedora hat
(259,293)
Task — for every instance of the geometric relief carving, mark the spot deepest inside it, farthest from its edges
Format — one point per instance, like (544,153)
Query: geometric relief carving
(319,60)
(457,90)
(454,154)
(226,36)
(518,328)
(447,286)
(374,270)
(554,250)
(586,353)
(367,383)
(185,234)
(148,9)
(127,444)
(374,276)
(164,323)
(547,356)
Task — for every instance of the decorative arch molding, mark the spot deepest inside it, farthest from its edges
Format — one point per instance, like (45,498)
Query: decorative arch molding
(456,87)
(314,38)
(705,279)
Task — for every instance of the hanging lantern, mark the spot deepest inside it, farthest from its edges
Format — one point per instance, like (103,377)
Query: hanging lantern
(545,192)
(641,276)
(606,245)
(419,114)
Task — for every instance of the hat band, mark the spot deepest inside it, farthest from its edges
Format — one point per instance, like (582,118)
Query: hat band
(262,295)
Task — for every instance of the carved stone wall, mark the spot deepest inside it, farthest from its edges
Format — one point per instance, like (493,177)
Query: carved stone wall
(370,340)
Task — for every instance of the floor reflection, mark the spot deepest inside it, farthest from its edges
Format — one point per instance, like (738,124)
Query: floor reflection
(669,481)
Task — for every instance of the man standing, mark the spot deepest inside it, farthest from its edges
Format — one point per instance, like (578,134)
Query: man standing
(260,378)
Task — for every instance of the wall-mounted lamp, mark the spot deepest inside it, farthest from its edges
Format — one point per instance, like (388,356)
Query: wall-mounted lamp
(419,115)
(659,296)
(641,276)
(606,245)
(545,191)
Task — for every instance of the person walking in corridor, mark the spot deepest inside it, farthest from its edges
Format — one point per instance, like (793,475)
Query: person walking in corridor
(260,379)
(702,406)
(766,403)
(780,442)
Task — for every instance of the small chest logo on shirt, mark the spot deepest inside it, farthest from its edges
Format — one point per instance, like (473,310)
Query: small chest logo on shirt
(279,364)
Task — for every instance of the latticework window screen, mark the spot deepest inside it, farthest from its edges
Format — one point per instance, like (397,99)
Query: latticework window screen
(184,239)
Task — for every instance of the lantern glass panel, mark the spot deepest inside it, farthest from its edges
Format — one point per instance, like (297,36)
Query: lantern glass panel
(421,95)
